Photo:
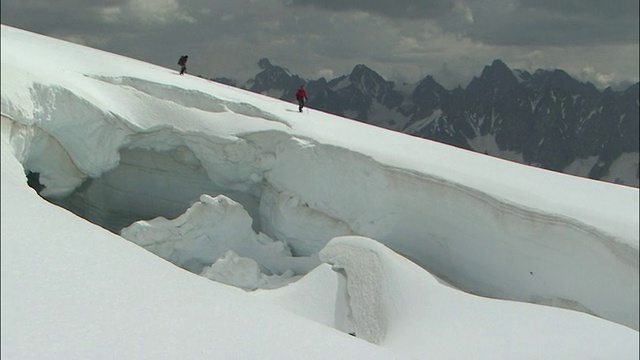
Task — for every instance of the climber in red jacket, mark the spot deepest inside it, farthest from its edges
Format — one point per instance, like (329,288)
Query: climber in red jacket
(301,96)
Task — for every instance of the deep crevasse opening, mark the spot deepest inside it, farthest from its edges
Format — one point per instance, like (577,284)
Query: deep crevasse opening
(302,194)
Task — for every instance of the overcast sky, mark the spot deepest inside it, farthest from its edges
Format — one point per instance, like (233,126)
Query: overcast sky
(403,40)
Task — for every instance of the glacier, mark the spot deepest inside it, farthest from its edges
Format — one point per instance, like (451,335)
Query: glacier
(219,181)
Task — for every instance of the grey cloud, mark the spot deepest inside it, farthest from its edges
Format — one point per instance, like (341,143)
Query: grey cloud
(510,22)
(410,9)
(549,22)
(227,37)
(61,17)
(596,8)
(44,17)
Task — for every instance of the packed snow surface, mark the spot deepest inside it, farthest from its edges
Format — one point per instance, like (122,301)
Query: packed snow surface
(189,219)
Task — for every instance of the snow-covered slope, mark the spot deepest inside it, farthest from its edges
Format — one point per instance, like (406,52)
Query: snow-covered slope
(258,192)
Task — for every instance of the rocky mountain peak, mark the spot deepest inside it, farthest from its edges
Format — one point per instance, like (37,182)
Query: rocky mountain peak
(495,79)
(544,80)
(498,71)
(430,84)
(362,74)
(369,82)
(264,63)
(273,77)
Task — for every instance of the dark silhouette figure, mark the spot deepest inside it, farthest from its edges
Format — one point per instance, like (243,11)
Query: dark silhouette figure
(183,64)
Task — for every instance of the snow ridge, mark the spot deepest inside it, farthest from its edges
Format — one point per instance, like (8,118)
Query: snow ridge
(366,284)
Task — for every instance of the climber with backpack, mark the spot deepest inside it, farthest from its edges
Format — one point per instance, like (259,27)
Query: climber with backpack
(183,64)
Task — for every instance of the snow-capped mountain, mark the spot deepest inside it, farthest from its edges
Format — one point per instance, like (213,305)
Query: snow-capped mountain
(545,119)
(152,215)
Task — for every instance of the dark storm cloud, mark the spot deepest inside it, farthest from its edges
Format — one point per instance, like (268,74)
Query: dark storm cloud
(596,8)
(57,17)
(456,38)
(117,26)
(551,22)
(409,9)
(510,22)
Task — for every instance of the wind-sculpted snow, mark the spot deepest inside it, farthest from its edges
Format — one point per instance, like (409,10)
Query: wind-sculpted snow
(189,98)
(388,296)
(209,170)
(366,285)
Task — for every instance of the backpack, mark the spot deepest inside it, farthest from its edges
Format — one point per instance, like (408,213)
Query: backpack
(182,60)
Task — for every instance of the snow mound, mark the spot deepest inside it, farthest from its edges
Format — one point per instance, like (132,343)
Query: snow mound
(206,232)
(244,273)
(395,303)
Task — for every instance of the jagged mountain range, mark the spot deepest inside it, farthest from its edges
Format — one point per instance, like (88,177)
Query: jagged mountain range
(546,118)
